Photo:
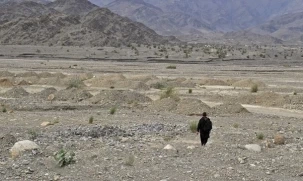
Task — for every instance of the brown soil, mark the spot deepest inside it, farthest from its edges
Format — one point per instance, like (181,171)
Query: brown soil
(248,83)
(6,83)
(15,92)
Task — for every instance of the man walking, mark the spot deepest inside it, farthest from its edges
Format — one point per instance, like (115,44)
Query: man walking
(204,128)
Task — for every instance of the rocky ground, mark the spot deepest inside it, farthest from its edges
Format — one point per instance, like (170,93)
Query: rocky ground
(134,116)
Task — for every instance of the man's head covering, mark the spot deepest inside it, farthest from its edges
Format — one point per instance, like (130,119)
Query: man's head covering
(204,114)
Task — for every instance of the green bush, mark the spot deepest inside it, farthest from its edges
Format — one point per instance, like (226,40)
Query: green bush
(254,88)
(170,93)
(130,160)
(260,136)
(91,120)
(193,125)
(171,67)
(64,157)
(190,91)
(4,110)
(75,83)
(236,125)
(113,110)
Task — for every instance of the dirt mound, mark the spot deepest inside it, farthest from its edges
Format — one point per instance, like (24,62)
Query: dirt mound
(6,74)
(111,80)
(73,94)
(192,106)
(45,93)
(45,75)
(144,78)
(248,83)
(24,82)
(138,85)
(86,76)
(270,99)
(166,104)
(6,83)
(27,74)
(179,82)
(230,108)
(212,82)
(15,92)
(54,81)
(115,97)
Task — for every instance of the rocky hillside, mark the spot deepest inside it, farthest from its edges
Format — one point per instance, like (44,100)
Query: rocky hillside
(12,10)
(287,27)
(73,7)
(166,23)
(41,25)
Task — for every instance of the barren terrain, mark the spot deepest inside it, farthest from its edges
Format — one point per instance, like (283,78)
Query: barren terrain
(126,92)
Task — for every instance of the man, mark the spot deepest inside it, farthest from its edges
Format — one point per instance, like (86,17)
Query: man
(204,128)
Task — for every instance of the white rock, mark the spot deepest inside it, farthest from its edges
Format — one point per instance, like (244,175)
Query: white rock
(169,147)
(22,146)
(191,147)
(46,123)
(253,147)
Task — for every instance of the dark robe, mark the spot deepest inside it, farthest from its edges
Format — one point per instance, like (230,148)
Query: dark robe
(204,133)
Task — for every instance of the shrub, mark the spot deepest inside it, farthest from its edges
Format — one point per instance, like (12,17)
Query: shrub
(190,91)
(236,125)
(32,134)
(64,157)
(158,85)
(75,83)
(260,136)
(130,160)
(170,93)
(295,93)
(193,125)
(254,88)
(113,110)
(4,110)
(91,120)
(112,87)
(171,67)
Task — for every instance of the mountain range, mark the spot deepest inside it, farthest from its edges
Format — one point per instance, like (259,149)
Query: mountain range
(189,17)
(253,20)
(71,22)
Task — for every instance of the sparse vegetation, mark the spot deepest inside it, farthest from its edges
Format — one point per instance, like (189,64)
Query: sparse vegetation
(4,110)
(170,93)
(190,91)
(64,157)
(75,83)
(91,120)
(32,134)
(171,67)
(236,125)
(193,126)
(254,88)
(260,136)
(113,110)
(158,85)
(130,160)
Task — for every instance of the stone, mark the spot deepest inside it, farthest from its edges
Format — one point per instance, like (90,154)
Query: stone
(191,147)
(279,139)
(242,160)
(253,147)
(46,123)
(169,147)
(21,146)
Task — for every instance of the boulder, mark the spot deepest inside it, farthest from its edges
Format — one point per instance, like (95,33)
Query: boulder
(253,147)
(169,147)
(21,146)
(279,139)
